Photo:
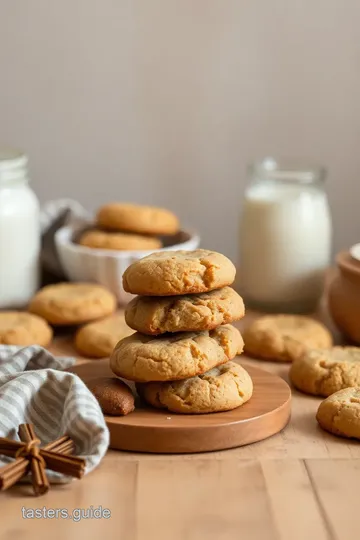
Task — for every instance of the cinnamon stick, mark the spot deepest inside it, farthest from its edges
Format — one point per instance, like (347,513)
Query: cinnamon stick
(51,454)
(38,475)
(58,443)
(68,465)
(12,473)
(7,444)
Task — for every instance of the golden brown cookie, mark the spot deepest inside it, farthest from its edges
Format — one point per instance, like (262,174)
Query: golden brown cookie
(223,388)
(142,358)
(98,339)
(21,328)
(113,395)
(137,218)
(118,241)
(157,315)
(72,303)
(340,413)
(283,338)
(324,371)
(169,273)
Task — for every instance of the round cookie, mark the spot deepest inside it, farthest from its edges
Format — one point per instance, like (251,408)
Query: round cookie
(72,303)
(223,388)
(158,315)
(169,273)
(21,328)
(322,372)
(284,338)
(137,218)
(118,241)
(98,339)
(142,358)
(114,396)
(340,413)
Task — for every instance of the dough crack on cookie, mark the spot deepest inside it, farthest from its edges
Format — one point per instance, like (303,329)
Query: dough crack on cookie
(208,276)
(171,357)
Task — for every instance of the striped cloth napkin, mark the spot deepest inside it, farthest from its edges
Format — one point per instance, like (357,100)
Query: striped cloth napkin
(54,215)
(34,389)
(71,209)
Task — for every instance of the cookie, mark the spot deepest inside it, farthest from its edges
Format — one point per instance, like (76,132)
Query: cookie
(340,413)
(114,396)
(324,371)
(137,218)
(118,241)
(205,311)
(72,303)
(142,358)
(19,328)
(284,338)
(169,273)
(223,388)
(98,339)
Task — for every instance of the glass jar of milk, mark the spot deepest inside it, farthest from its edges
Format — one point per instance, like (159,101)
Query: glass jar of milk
(285,238)
(19,232)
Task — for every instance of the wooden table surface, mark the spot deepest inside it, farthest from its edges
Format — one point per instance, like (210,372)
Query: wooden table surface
(299,484)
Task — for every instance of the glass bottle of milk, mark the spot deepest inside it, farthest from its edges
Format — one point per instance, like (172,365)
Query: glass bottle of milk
(19,232)
(285,238)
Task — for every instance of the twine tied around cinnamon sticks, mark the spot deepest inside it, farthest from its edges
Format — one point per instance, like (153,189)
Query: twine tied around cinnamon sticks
(30,457)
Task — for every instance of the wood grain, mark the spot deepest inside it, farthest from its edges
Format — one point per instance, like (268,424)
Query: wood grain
(151,430)
(292,499)
(300,484)
(197,499)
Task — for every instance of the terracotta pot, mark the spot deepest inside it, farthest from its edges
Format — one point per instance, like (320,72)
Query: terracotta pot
(344,296)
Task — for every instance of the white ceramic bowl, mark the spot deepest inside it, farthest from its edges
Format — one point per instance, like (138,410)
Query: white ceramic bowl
(106,267)
(355,252)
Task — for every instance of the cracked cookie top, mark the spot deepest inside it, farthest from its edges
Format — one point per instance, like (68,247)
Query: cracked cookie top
(172,357)
(340,413)
(179,272)
(284,338)
(189,313)
(222,388)
(325,371)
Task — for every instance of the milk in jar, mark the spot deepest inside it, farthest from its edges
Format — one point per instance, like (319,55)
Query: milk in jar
(285,238)
(19,232)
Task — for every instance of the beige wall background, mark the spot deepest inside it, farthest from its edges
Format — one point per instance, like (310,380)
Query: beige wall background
(165,101)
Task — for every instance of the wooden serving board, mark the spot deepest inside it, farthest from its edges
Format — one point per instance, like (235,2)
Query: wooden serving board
(157,431)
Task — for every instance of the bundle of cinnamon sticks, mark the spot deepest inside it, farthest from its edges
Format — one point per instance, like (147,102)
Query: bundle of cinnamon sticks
(31,458)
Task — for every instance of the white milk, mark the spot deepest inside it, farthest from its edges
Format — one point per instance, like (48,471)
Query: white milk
(19,233)
(285,245)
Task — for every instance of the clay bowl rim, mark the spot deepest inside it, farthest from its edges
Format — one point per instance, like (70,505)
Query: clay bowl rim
(347,263)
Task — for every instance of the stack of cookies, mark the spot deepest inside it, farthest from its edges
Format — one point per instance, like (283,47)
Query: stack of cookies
(125,226)
(180,356)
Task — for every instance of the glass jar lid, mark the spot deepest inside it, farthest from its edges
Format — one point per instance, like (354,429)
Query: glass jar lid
(13,165)
(287,171)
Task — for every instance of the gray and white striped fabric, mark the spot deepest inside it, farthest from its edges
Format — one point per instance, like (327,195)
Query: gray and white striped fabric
(52,209)
(34,389)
